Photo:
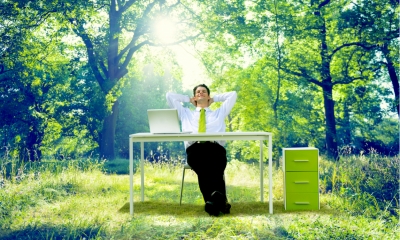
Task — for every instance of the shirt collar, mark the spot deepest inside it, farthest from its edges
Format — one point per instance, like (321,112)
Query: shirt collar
(198,109)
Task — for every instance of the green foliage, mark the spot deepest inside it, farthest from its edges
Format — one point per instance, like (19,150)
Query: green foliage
(63,66)
(297,121)
(47,62)
(40,104)
(288,70)
(363,122)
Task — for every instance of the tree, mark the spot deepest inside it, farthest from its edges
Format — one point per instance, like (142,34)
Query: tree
(376,23)
(110,46)
(315,48)
(44,105)
(22,60)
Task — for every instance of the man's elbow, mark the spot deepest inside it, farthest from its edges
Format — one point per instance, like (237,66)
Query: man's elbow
(234,95)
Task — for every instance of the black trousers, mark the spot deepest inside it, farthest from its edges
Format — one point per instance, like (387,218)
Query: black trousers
(208,160)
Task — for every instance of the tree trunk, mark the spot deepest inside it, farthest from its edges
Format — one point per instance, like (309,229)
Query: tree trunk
(393,76)
(32,151)
(346,124)
(327,87)
(107,150)
(330,124)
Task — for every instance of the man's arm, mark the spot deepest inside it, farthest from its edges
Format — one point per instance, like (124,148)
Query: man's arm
(229,100)
(175,100)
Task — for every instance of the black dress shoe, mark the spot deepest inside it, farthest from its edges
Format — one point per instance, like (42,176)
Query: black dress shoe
(211,208)
(226,209)
(220,201)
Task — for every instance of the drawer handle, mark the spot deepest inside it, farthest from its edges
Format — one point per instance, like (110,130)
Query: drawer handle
(301,182)
(302,203)
(301,160)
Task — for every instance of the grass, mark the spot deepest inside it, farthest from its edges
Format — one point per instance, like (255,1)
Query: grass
(90,201)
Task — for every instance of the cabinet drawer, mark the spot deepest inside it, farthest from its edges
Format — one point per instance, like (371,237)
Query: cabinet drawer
(301,181)
(301,160)
(302,201)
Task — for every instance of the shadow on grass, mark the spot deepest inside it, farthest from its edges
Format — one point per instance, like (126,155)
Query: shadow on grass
(52,232)
(238,209)
(166,202)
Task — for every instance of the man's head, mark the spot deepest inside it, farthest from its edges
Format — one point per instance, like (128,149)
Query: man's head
(201,95)
(201,86)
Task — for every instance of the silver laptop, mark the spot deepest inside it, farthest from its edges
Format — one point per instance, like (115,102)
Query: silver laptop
(162,121)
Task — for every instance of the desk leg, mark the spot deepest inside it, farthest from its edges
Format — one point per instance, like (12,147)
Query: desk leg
(261,172)
(271,208)
(131,176)
(142,168)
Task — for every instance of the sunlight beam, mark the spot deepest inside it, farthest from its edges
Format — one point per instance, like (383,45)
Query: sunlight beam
(164,30)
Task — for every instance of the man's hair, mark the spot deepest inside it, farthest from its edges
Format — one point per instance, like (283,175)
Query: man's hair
(201,85)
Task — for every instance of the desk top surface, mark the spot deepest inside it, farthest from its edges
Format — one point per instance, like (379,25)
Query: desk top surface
(182,136)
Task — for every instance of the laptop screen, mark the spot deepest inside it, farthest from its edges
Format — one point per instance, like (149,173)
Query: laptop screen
(163,121)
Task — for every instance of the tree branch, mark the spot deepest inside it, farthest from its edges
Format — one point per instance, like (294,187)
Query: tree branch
(175,4)
(137,33)
(131,52)
(347,80)
(80,31)
(324,3)
(135,37)
(302,74)
(128,4)
(366,46)
(348,60)
(176,42)
(191,11)
(120,4)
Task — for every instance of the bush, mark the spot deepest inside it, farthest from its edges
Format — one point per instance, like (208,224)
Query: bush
(367,184)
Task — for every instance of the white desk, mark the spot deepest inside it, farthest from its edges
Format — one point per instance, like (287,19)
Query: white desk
(148,137)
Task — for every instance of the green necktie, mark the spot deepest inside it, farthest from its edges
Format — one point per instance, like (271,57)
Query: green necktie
(202,121)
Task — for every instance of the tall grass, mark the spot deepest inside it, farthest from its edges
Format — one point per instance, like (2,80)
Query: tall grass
(86,199)
(363,185)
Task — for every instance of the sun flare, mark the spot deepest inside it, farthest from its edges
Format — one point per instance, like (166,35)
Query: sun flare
(165,30)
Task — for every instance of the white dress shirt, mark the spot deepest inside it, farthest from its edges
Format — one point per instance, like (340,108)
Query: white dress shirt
(215,120)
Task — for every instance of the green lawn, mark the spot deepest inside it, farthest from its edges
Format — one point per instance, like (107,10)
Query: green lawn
(86,203)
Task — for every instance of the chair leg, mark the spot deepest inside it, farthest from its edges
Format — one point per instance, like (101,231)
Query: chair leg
(225,186)
(183,179)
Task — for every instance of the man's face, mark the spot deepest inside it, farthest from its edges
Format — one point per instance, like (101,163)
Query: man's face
(201,94)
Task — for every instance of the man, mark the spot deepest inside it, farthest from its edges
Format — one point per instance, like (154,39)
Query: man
(207,159)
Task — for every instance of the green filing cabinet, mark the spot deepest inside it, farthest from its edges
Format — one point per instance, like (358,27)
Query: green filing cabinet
(301,178)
